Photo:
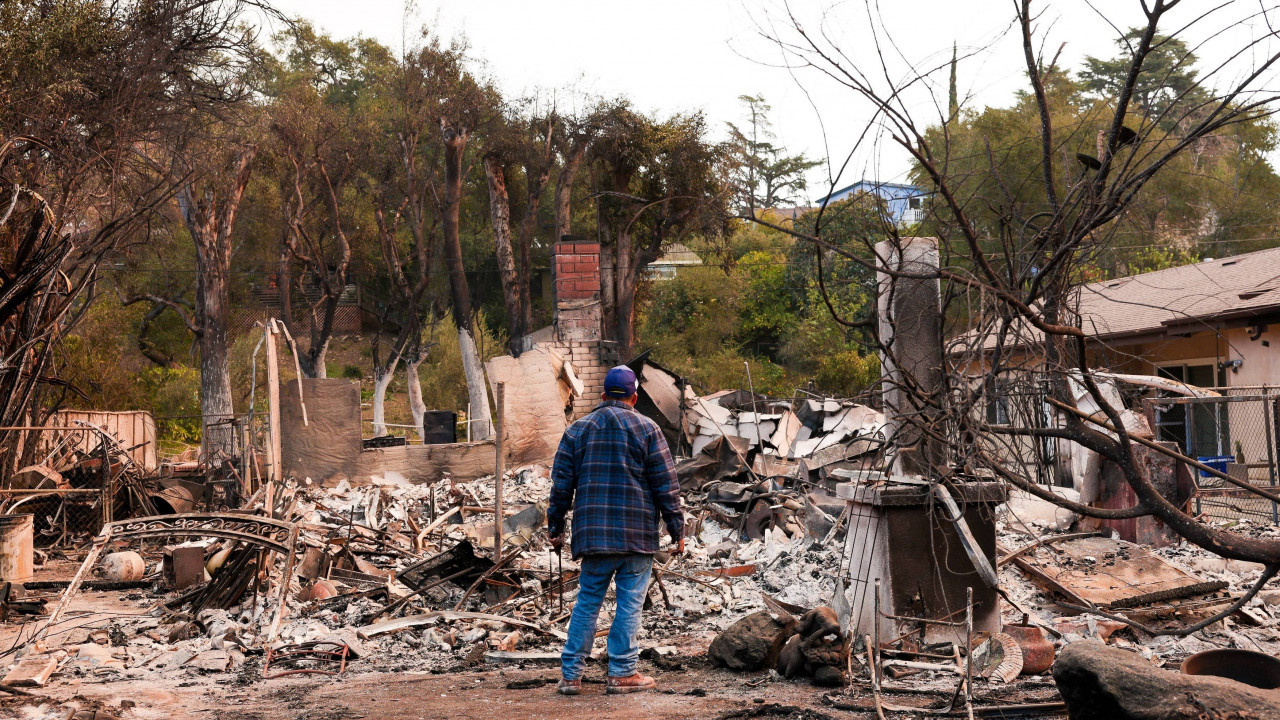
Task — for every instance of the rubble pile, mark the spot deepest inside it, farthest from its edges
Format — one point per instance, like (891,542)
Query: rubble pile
(786,430)
(740,435)
(393,575)
(403,576)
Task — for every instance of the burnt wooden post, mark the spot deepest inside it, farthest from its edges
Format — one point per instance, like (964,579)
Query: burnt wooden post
(498,470)
(274,476)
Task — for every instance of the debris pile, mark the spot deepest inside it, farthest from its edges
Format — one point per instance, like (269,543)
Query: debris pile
(401,576)
(88,475)
(732,433)
(390,576)
(764,468)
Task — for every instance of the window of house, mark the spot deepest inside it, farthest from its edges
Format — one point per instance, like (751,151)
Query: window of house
(1199,429)
(914,203)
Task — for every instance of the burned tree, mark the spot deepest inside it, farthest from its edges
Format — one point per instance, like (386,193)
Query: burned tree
(455,144)
(573,141)
(320,249)
(208,204)
(410,286)
(322,134)
(433,104)
(527,142)
(82,113)
(1015,248)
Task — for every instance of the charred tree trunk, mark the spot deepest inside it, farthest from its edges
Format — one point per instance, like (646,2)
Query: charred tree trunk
(608,292)
(455,142)
(329,263)
(384,370)
(624,293)
(212,307)
(149,349)
(411,324)
(564,187)
(500,218)
(210,217)
(34,312)
(536,172)
(522,267)
(382,377)
(630,271)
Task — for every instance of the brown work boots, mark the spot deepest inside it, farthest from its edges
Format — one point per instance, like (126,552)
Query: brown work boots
(617,685)
(632,683)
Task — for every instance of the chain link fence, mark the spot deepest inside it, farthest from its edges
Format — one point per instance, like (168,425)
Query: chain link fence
(69,490)
(1235,434)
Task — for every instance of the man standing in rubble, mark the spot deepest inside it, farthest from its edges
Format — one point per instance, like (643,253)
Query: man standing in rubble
(614,468)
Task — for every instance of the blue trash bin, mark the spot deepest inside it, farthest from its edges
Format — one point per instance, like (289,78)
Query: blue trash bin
(1217,462)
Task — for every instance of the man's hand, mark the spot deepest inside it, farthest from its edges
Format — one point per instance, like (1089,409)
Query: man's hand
(679,551)
(557,542)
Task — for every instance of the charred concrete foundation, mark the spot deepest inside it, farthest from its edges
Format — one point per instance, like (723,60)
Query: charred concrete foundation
(916,548)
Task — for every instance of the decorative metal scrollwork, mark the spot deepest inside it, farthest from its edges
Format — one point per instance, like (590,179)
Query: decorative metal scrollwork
(266,532)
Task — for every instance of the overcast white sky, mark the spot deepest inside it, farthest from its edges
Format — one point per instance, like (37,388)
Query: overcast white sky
(682,55)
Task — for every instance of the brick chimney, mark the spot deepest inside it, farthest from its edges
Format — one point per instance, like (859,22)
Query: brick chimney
(576,274)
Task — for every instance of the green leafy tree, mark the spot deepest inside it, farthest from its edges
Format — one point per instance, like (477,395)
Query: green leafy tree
(658,181)
(1217,197)
(1167,83)
(765,310)
(764,174)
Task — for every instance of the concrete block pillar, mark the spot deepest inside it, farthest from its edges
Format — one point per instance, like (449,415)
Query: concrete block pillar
(909,308)
(900,540)
(898,536)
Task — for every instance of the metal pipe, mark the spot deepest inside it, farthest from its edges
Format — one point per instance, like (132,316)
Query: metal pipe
(876,653)
(905,618)
(968,651)
(875,680)
(1020,708)
(909,633)
(936,667)
(1269,423)
(1213,399)
(912,653)
(755,404)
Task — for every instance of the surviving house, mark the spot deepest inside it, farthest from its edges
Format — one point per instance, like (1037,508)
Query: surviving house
(905,203)
(1206,324)
(1214,323)
(668,265)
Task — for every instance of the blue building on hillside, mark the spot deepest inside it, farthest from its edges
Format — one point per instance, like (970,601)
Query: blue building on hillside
(905,202)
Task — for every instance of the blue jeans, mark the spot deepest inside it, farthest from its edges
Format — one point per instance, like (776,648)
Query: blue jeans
(630,575)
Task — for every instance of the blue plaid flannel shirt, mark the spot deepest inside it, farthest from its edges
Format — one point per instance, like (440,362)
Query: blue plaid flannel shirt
(615,470)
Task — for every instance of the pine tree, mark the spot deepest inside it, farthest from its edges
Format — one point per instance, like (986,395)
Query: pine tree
(953,101)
